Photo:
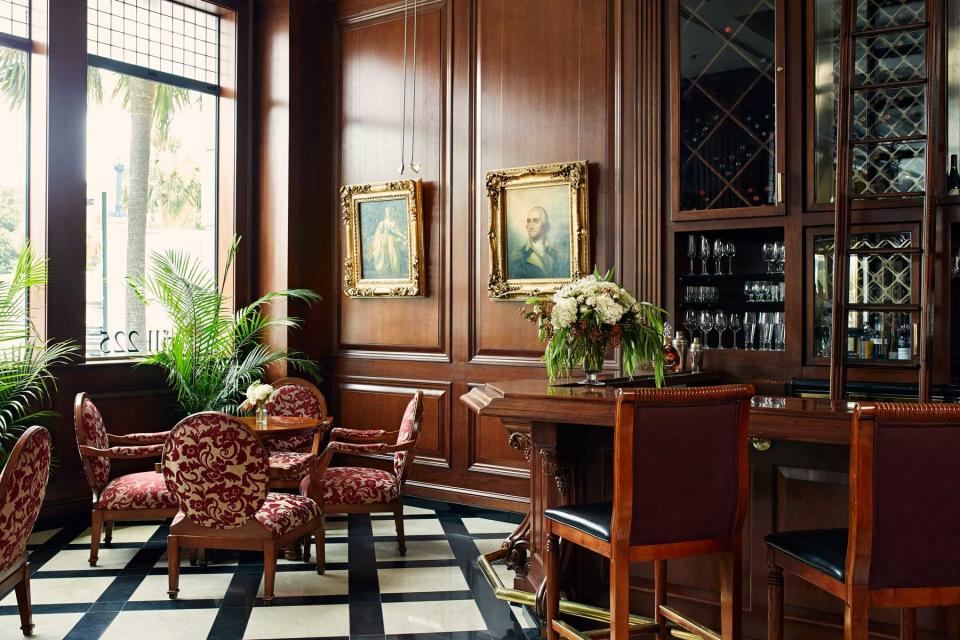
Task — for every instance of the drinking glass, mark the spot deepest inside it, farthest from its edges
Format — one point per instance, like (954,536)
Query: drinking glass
(692,250)
(779,343)
(758,291)
(769,255)
(720,322)
(730,250)
(690,322)
(750,324)
(719,248)
(780,256)
(735,326)
(706,326)
(767,321)
(704,254)
(748,290)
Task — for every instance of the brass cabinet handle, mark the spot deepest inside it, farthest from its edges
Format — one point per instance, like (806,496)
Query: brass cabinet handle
(761,444)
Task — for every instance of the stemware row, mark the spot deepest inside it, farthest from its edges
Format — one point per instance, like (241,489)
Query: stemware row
(765,328)
(718,249)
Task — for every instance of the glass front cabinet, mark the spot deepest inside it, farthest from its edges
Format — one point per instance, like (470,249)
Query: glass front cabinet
(725,88)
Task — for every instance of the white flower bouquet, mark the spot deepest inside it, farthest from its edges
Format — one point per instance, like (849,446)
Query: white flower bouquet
(257,394)
(584,317)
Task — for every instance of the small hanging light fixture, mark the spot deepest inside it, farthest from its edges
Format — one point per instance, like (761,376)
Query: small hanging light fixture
(403,108)
(414,166)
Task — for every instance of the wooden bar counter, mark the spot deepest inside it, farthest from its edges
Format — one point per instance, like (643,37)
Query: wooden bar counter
(798,472)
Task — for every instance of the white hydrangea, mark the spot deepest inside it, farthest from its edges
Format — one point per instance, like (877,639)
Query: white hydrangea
(564,312)
(610,311)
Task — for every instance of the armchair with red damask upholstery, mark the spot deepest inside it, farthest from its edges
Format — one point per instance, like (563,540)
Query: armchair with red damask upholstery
(23,484)
(367,489)
(134,496)
(217,471)
(293,455)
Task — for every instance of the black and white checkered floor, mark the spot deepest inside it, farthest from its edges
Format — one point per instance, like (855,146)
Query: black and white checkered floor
(369,591)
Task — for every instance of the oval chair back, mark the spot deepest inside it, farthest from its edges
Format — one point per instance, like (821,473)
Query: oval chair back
(680,463)
(23,485)
(409,430)
(904,484)
(216,469)
(91,432)
(297,397)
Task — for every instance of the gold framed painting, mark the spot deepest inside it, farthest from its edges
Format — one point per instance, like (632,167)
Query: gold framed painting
(384,239)
(539,228)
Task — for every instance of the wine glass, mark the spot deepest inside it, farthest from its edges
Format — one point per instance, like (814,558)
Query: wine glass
(718,252)
(706,326)
(720,322)
(691,250)
(748,290)
(731,250)
(780,255)
(735,326)
(704,253)
(758,290)
(750,324)
(690,322)
(769,255)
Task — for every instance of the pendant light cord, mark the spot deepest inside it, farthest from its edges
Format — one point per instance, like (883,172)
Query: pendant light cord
(403,109)
(413,107)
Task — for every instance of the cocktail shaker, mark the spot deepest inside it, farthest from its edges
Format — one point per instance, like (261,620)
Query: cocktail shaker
(680,344)
(696,356)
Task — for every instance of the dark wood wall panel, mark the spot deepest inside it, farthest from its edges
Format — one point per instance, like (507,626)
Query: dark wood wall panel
(380,405)
(542,96)
(491,452)
(371,69)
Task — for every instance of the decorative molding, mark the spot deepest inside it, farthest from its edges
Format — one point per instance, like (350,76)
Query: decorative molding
(498,470)
(520,441)
(412,356)
(554,466)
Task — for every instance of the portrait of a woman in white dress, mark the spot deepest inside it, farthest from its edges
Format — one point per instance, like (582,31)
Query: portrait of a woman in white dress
(385,241)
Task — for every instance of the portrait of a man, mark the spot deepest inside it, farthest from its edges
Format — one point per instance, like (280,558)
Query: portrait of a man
(538,240)
(538,258)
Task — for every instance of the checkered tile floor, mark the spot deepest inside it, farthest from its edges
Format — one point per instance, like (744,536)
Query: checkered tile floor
(369,591)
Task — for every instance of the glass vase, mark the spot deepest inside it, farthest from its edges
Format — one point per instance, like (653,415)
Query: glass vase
(592,363)
(262,414)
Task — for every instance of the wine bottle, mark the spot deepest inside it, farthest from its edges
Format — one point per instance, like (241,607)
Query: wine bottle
(953,177)
(903,343)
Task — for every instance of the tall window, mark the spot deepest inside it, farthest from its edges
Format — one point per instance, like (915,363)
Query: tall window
(14,75)
(151,158)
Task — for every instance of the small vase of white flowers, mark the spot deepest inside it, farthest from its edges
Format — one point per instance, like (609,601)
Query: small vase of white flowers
(583,318)
(258,394)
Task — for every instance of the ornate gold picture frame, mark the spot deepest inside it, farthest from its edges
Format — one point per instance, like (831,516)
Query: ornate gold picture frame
(539,228)
(384,239)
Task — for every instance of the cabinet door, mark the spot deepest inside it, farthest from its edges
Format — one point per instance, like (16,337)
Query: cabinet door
(726,108)
(879,281)
(889,123)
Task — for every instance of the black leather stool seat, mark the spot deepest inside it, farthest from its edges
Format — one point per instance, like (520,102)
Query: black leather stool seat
(823,549)
(593,518)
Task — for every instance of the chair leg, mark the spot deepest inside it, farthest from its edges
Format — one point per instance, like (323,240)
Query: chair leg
(731,593)
(173,566)
(23,601)
(908,624)
(306,548)
(96,526)
(269,571)
(552,605)
(855,625)
(108,529)
(321,540)
(660,597)
(398,519)
(774,600)
(620,598)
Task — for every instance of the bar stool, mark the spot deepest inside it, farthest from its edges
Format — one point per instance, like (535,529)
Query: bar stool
(901,548)
(680,489)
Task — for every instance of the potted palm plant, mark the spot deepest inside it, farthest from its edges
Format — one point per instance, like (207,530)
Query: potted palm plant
(212,355)
(25,359)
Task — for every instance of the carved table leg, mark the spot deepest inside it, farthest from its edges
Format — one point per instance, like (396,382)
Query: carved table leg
(518,542)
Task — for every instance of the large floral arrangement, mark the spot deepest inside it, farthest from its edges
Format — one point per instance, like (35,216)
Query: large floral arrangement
(584,317)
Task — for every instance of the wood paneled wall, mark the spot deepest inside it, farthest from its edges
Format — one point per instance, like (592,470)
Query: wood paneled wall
(499,83)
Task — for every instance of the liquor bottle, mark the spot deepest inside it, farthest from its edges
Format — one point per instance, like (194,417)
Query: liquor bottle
(866,344)
(853,342)
(880,343)
(953,177)
(671,357)
(903,343)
